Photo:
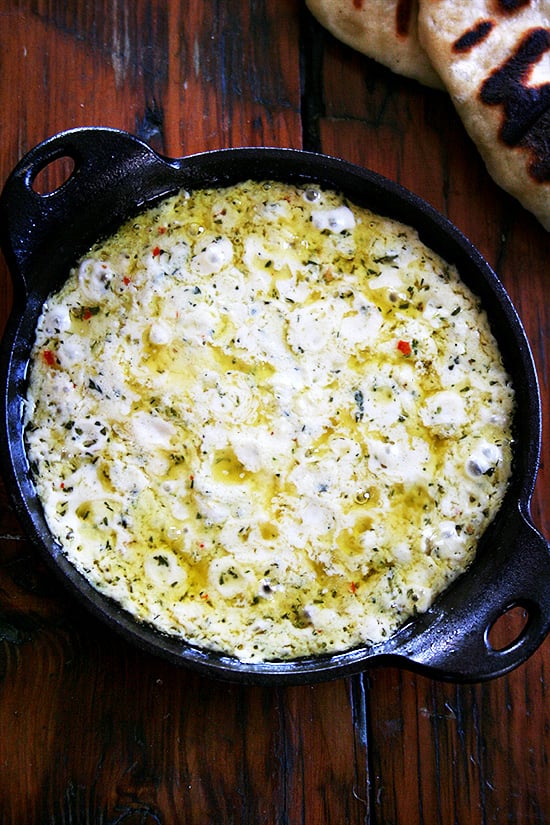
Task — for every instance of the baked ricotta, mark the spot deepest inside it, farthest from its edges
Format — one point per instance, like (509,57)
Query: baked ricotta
(267,421)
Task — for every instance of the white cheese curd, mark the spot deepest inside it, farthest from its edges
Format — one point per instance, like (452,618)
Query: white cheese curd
(484,459)
(267,421)
(152,431)
(163,569)
(94,278)
(56,319)
(213,257)
(160,332)
(444,412)
(71,352)
(339,219)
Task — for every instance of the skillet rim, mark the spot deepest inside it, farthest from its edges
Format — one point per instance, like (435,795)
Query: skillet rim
(401,648)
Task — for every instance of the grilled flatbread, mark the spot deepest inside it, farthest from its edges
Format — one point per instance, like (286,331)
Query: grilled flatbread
(494,58)
(385,30)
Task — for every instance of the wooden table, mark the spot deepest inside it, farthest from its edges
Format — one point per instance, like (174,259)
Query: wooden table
(91,730)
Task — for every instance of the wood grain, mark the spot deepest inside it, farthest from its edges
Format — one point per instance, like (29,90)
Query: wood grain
(92,730)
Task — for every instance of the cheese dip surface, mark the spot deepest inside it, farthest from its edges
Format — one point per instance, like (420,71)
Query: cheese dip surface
(267,421)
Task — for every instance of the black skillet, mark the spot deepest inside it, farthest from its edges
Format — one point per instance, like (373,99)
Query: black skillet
(114,176)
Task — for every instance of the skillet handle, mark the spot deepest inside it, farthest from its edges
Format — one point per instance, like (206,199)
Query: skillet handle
(514,572)
(35,226)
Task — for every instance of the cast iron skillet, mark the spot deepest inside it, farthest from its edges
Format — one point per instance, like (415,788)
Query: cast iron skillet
(114,176)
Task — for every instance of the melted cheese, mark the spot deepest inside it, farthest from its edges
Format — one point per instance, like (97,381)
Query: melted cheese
(268,421)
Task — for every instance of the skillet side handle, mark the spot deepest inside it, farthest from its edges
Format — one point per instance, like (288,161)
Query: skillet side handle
(513,573)
(34,225)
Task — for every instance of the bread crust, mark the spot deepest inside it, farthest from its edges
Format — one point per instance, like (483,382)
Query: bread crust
(385,30)
(494,58)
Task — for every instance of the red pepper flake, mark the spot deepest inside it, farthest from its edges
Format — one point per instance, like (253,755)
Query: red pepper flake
(156,251)
(62,485)
(48,357)
(126,280)
(162,230)
(404,347)
(204,596)
(85,313)
(353,587)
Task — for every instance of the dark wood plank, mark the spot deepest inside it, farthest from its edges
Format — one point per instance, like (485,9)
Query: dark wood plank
(237,81)
(92,730)
(468,753)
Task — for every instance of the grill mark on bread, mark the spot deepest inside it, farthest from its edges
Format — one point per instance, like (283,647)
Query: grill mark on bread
(525,108)
(511,6)
(403,14)
(473,37)
(537,141)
